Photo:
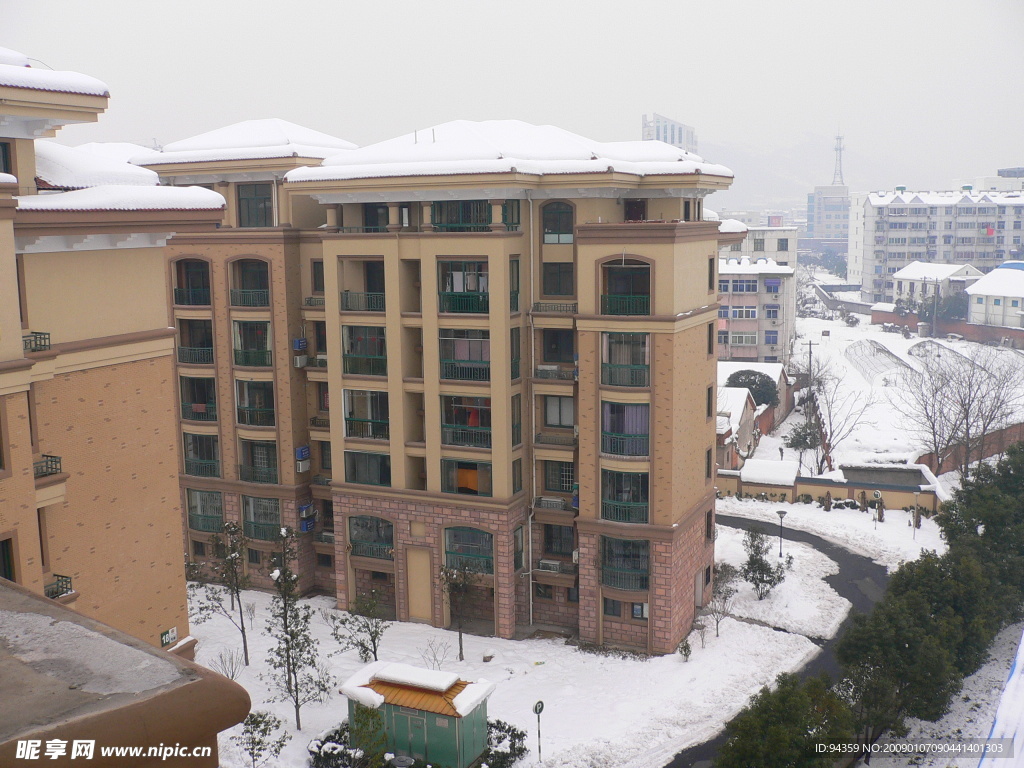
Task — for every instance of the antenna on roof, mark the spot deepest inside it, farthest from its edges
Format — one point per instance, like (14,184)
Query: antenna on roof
(837,174)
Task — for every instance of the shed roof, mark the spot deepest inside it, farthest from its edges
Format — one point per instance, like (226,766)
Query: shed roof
(437,702)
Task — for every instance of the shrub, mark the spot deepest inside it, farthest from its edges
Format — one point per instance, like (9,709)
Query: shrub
(506,744)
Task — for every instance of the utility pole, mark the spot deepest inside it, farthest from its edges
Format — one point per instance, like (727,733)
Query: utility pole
(810,379)
(935,310)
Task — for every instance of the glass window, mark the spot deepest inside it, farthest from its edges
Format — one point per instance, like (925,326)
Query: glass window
(254,556)
(612,607)
(368,468)
(325,454)
(558,279)
(559,411)
(783,244)
(255,205)
(771,337)
(324,560)
(639,610)
(758,243)
(558,539)
(317,267)
(469,478)
(559,476)
(559,345)
(517,475)
(558,223)
(545,591)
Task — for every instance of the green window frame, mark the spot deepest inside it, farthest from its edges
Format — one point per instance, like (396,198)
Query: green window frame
(316,268)
(371,536)
(466,421)
(559,476)
(368,468)
(461,215)
(510,215)
(469,548)
(558,279)
(625,563)
(262,518)
(255,205)
(557,222)
(559,539)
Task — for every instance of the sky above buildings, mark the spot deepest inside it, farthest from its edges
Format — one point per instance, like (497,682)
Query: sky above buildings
(924,91)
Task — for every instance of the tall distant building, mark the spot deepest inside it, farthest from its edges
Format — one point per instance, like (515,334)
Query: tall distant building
(661,128)
(828,210)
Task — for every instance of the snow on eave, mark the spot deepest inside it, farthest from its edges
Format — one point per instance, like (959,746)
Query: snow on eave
(355,686)
(746,266)
(732,226)
(125,198)
(66,167)
(416,677)
(472,696)
(7,178)
(34,79)
(238,153)
(767,472)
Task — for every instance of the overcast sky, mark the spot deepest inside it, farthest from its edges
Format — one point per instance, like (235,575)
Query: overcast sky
(924,91)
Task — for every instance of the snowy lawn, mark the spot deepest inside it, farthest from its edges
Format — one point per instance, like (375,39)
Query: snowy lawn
(599,710)
(889,543)
(803,603)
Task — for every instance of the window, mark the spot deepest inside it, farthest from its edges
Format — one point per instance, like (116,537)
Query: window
(198,549)
(317,268)
(517,419)
(466,421)
(572,594)
(634,210)
(559,411)
(625,563)
(517,475)
(559,476)
(746,313)
(5,158)
(783,244)
(515,347)
(558,345)
(544,591)
(723,337)
(255,205)
(707,576)
(198,398)
(461,215)
(469,548)
(1015,303)
(711,338)
(772,285)
(258,461)
(723,285)
(624,496)
(262,518)
(320,337)
(323,396)
(469,478)
(625,428)
(710,402)
(640,611)
(465,354)
(723,311)
(558,539)
(709,524)
(201,455)
(558,279)
(462,286)
(744,339)
(745,285)
(207,503)
(364,350)
(255,403)
(708,464)
(771,311)
(254,556)
(371,537)
(324,560)
(771,337)
(325,454)
(612,607)
(557,222)
(711,273)
(758,243)
(366,414)
(997,302)
(517,548)
(367,468)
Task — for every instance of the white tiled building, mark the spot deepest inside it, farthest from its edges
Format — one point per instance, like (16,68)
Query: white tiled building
(919,280)
(757,310)
(889,230)
(777,243)
(998,297)
(661,128)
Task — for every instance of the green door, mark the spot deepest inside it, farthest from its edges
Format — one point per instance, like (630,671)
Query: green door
(417,738)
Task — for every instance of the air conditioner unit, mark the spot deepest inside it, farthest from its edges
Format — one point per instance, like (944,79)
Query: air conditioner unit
(307,510)
(302,466)
(576,556)
(549,565)
(300,361)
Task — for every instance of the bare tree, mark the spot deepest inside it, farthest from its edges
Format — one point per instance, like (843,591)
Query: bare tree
(926,413)
(458,584)
(362,628)
(227,580)
(839,411)
(722,594)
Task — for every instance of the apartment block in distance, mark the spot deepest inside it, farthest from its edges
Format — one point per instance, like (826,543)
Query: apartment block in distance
(89,512)
(520,336)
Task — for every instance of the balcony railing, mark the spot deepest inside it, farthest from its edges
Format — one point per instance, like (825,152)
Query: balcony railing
(455,434)
(466,370)
(625,445)
(192,297)
(614,304)
(60,586)
(625,578)
(551,502)
(314,301)
(205,523)
(262,531)
(35,341)
(46,466)
(461,227)
(195,355)
(564,566)
(250,474)
(554,372)
(321,480)
(202,467)
(241,297)
(463,302)
(255,417)
(552,438)
(362,302)
(365,365)
(320,422)
(375,549)
(368,429)
(362,230)
(324,537)
(625,375)
(253,357)
(199,411)
(624,511)
(566,307)
(465,561)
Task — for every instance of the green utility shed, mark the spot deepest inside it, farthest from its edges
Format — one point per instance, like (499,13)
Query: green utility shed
(428,715)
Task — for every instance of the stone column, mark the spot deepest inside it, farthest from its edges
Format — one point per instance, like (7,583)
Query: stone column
(394,217)
(427,210)
(496,224)
(332,216)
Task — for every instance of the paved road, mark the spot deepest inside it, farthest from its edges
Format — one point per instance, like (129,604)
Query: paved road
(859,580)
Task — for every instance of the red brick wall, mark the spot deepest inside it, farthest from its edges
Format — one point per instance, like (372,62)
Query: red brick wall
(557,611)
(385,589)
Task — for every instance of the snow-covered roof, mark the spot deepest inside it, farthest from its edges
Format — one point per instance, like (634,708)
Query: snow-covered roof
(7,178)
(417,677)
(883,306)
(249,140)
(768,472)
(472,696)
(951,197)
(504,146)
(710,215)
(722,425)
(775,371)
(1005,280)
(355,686)
(732,226)
(124,198)
(732,402)
(121,151)
(763,266)
(72,168)
(923,270)
(16,72)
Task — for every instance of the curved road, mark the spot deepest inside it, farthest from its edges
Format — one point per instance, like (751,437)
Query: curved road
(859,580)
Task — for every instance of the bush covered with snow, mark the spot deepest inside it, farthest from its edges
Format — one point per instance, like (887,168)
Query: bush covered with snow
(505,744)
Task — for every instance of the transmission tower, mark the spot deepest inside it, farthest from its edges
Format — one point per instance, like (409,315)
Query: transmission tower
(837,175)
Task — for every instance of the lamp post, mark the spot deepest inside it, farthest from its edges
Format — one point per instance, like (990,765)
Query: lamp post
(782,514)
(914,516)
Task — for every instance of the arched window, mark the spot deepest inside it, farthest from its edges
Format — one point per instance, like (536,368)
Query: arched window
(192,282)
(371,537)
(469,549)
(557,220)
(250,283)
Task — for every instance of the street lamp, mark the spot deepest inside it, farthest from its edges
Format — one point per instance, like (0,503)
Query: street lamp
(915,516)
(782,514)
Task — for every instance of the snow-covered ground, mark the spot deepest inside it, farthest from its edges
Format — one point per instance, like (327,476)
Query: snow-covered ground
(971,712)
(888,543)
(599,710)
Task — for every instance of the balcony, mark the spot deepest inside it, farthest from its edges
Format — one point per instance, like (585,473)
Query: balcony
(475,437)
(630,579)
(362,302)
(192,297)
(625,375)
(466,370)
(365,365)
(249,474)
(321,480)
(554,372)
(625,445)
(463,302)
(60,586)
(205,523)
(35,342)
(552,438)
(46,466)
(552,502)
(241,297)
(314,301)
(612,304)
(202,467)
(324,537)
(262,531)
(624,511)
(195,355)
(374,549)
(320,422)
(362,230)
(469,562)
(253,357)
(559,307)
(255,417)
(199,411)
(368,429)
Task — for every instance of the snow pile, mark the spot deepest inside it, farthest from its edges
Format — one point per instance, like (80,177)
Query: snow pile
(13,58)
(416,677)
(7,178)
(768,472)
(1009,720)
(504,146)
(745,266)
(355,687)
(472,696)
(124,198)
(15,72)
(72,168)
(732,226)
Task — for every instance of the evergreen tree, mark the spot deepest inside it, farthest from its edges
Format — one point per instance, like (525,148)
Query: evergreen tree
(257,738)
(762,575)
(762,388)
(362,628)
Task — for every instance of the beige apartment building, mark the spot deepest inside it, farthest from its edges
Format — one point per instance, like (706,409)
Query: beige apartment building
(89,512)
(486,345)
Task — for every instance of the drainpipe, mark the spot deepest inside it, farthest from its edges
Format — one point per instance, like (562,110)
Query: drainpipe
(274,201)
(533,408)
